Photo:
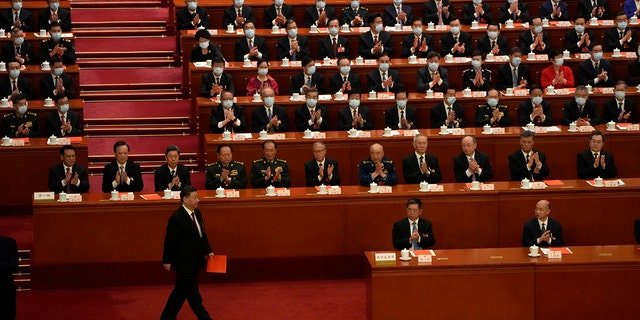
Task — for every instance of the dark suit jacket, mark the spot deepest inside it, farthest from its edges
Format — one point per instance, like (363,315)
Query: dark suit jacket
(64,18)
(531,232)
(26,52)
(461,164)
(402,232)
(390,15)
(505,80)
(212,52)
(326,48)
(633,68)
(610,110)
(57,174)
(242,48)
(407,45)
(226,81)
(47,86)
(374,80)
(470,74)
(439,115)
(447,41)
(525,40)
(347,14)
(586,170)
(24,85)
(504,14)
(571,41)
(6,20)
(184,249)
(133,172)
(237,176)
(423,78)
(259,118)
(411,170)
(311,171)
(311,15)
(526,108)
(230,14)
(546,9)
(391,117)
(284,46)
(303,116)
(484,45)
(518,167)
(336,80)
(571,112)
(612,40)
(636,230)
(298,80)
(585,7)
(366,44)
(469,10)
(270,14)
(430,12)
(8,266)
(217,115)
(52,123)
(162,177)
(184,19)
(345,118)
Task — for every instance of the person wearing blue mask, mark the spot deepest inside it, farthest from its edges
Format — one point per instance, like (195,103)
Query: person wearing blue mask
(53,13)
(237,14)
(595,71)
(269,117)
(355,115)
(344,80)
(455,42)
(277,14)
(493,42)
(318,14)
(418,43)
(262,80)
(63,122)
(580,109)
(15,83)
(492,113)
(477,78)
(192,16)
(383,79)
(251,47)
(17,48)
(477,11)
(227,116)
(514,74)
(432,76)
(621,36)
(401,116)
(311,115)
(376,41)
(535,109)
(21,123)
(354,15)
(57,82)
(578,39)
(307,78)
(448,113)
(620,108)
(16,16)
(269,170)
(213,83)
(204,50)
(56,46)
(292,46)
(535,39)
(334,46)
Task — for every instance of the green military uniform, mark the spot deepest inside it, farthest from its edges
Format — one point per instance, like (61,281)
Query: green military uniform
(237,176)
(367,167)
(484,113)
(11,122)
(259,171)
(69,56)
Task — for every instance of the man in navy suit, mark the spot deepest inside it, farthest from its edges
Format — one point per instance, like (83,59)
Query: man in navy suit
(471,165)
(620,108)
(596,162)
(355,115)
(398,13)
(354,15)
(192,16)
(595,71)
(580,109)
(534,40)
(493,42)
(554,10)
(121,174)
(621,36)
(327,47)
(400,115)
(308,78)
(432,76)
(250,46)
(213,83)
(417,43)
(476,11)
(344,80)
(16,16)
(277,14)
(57,81)
(421,166)
(448,112)
(455,42)
(227,116)
(172,175)
(515,67)
(414,232)
(63,122)
(587,10)
(237,14)
(293,46)
(376,41)
(321,170)
(514,10)
(68,176)
(8,266)
(535,109)
(17,48)
(311,115)
(186,246)
(440,12)
(52,13)
(269,117)
(318,14)
(383,79)
(527,162)
(578,39)
(542,231)
(8,84)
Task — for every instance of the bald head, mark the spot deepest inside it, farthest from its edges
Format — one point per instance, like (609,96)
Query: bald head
(376,152)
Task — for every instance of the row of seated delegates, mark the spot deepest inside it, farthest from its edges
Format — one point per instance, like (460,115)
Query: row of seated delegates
(54,47)
(50,85)
(61,122)
(21,18)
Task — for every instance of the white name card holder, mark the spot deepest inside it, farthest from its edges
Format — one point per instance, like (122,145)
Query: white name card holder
(284,192)
(436,188)
(74,197)
(49,195)
(488,186)
(424,258)
(555,254)
(385,257)
(232,193)
(334,190)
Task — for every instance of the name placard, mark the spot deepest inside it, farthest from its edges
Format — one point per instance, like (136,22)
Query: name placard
(457,131)
(232,193)
(17,143)
(436,188)
(497,130)
(488,186)
(424,258)
(385,189)
(74,197)
(283,192)
(385,256)
(44,195)
(555,254)
(127,196)
(364,134)
(611,183)
(334,190)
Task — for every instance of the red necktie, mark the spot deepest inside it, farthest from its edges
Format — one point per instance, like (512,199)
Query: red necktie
(335,48)
(239,12)
(68,186)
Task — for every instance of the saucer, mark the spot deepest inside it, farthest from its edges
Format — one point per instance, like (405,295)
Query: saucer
(611,129)
(416,62)
(372,98)
(529,188)
(443,133)
(576,130)
(508,94)
(230,31)
(475,189)
(48,105)
(221,196)
(597,186)
(373,191)
(303,137)
(270,195)
(256,101)
(424,190)
(487,132)
(114,199)
(67,200)
(322,193)
(403,259)
(616,56)
(226,139)
(167,198)
(294,99)
(533,255)
(387,135)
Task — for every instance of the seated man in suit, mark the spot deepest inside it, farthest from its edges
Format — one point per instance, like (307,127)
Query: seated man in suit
(535,109)
(448,113)
(321,170)
(620,108)
(354,15)
(53,13)
(440,12)
(237,14)
(542,231)
(400,115)
(226,172)
(377,168)
(308,78)
(418,43)
(334,46)
(292,46)
(250,46)
(455,42)
(20,123)
(376,41)
(318,14)
(18,49)
(277,14)
(192,16)
(621,36)
(593,9)
(344,80)
(383,79)
(354,116)
(478,11)
(269,117)
(398,13)
(121,174)
(68,176)
(63,122)
(578,39)
(414,232)
(477,78)
(8,18)
(14,83)
(269,170)
(557,74)
(493,42)
(514,10)
(227,116)
(311,115)
(534,40)
(514,74)
(596,162)
(554,10)
(527,162)
(580,109)
(57,82)
(172,175)
(432,76)
(471,165)
(213,83)
(57,46)
(492,113)
(595,71)
(421,166)
(204,50)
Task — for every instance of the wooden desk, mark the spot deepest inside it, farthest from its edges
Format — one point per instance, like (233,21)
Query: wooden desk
(593,283)
(38,107)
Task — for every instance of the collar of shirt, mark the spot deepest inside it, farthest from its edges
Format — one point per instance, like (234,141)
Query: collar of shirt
(336,37)
(320,163)
(251,39)
(121,164)
(446,105)
(373,34)
(546,223)
(411,223)
(351,110)
(65,167)
(619,102)
(188,212)
(174,168)
(293,39)
(593,62)
(472,156)
(525,154)
(424,157)
(62,114)
(311,109)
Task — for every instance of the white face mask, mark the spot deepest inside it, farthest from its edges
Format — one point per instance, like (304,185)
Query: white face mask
(217,71)
(292,32)
(620,94)
(433,66)
(333,31)
(476,63)
(559,62)
(492,35)
(192,5)
(537,29)
(355,4)
(23,109)
(312,102)
(278,2)
(345,70)
(417,31)
(536,100)
(455,30)
(311,70)
(401,104)
(64,108)
(579,28)
(268,101)
(203,45)
(227,104)
(250,33)
(354,103)
(320,4)
(384,67)
(379,27)
(492,102)
(263,71)
(451,100)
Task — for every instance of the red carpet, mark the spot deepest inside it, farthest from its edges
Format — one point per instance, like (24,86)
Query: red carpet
(142,146)
(130,78)
(130,45)
(136,15)
(111,110)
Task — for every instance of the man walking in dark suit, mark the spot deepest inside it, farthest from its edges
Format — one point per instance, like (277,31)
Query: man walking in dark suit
(68,176)
(471,165)
(8,265)
(186,247)
(542,231)
(413,232)
(172,175)
(321,170)
(527,162)
(595,162)
(122,175)
(421,166)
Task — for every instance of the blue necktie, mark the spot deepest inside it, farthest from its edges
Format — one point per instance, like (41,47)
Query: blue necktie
(414,243)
